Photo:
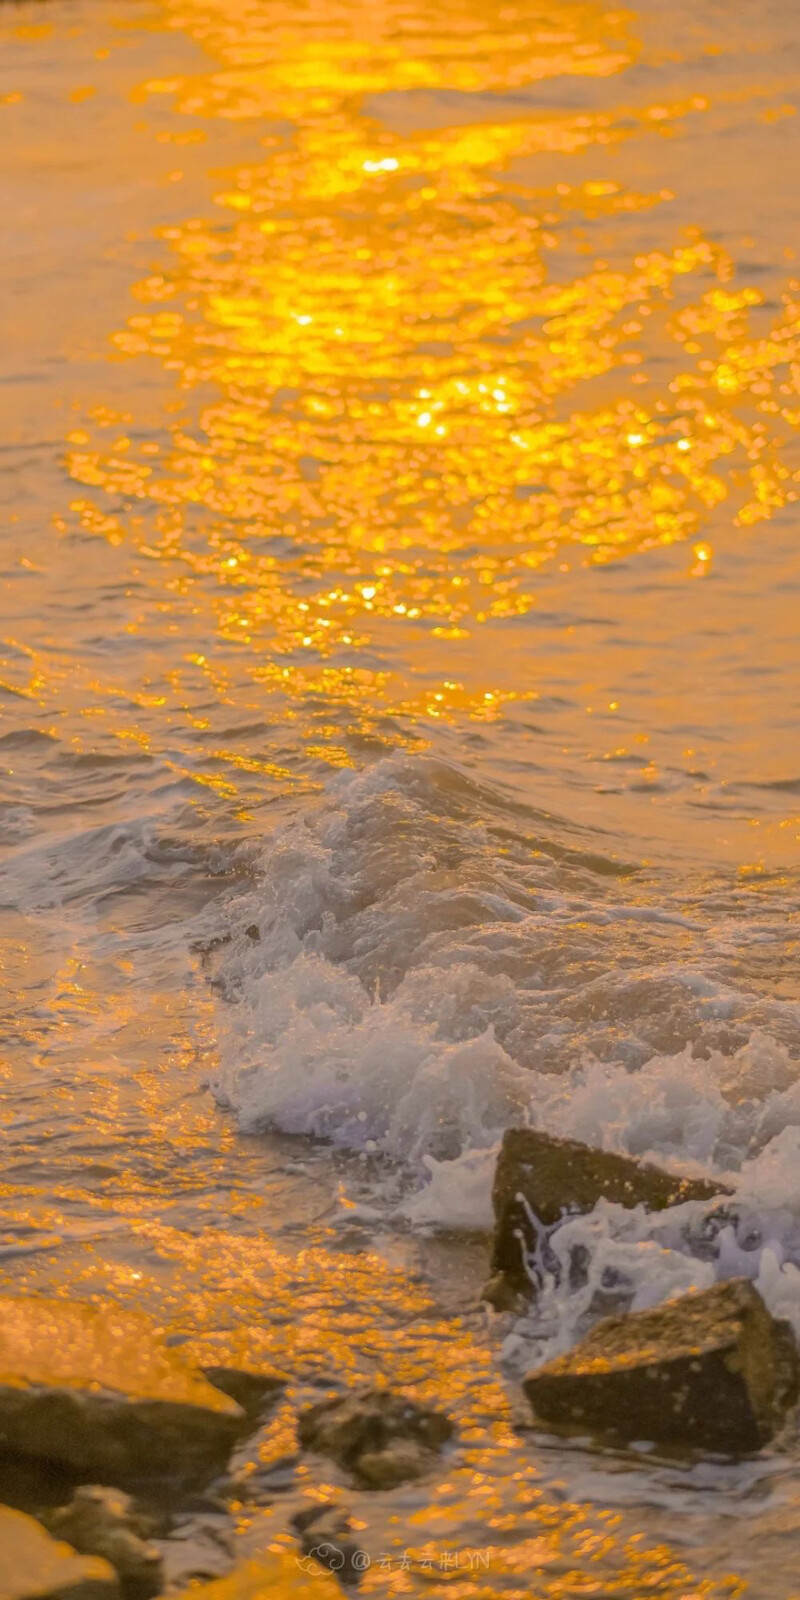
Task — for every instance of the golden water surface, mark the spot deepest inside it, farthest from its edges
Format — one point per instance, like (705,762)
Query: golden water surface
(437,317)
(376,375)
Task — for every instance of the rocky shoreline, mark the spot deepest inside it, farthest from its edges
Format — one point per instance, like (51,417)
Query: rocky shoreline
(108,1433)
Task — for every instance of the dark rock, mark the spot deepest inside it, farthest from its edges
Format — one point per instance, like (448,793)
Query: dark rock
(327,1536)
(380,1435)
(96,1391)
(252,1389)
(711,1370)
(548,1177)
(396,1463)
(32,1485)
(103,1522)
(35,1567)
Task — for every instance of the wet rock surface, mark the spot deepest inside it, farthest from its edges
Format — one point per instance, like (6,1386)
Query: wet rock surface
(96,1392)
(104,1522)
(712,1370)
(382,1436)
(199,1546)
(549,1177)
(33,1566)
(326,1535)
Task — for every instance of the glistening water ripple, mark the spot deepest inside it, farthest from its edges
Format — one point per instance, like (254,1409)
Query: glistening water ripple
(398,507)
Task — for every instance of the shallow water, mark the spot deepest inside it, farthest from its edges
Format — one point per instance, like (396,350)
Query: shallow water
(401,447)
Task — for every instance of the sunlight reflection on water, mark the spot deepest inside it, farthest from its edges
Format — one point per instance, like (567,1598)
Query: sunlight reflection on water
(424,378)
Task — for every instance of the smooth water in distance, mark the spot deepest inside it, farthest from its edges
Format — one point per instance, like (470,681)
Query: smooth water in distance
(400,417)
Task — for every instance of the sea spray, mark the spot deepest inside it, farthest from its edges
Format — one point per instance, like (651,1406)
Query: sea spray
(413,969)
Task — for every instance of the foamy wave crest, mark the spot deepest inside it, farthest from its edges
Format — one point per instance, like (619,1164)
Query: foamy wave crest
(419,964)
(636,1259)
(328,1059)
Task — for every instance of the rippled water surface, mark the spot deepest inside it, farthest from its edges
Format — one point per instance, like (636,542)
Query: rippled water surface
(400,704)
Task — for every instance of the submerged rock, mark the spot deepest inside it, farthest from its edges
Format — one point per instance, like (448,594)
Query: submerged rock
(96,1391)
(35,1567)
(327,1536)
(104,1522)
(380,1435)
(199,1545)
(711,1370)
(549,1177)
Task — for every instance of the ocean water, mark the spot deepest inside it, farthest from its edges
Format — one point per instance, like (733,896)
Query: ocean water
(400,715)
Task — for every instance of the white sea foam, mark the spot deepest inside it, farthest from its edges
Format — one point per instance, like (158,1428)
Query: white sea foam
(72,870)
(416,966)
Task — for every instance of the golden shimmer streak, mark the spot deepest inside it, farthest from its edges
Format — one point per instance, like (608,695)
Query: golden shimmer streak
(396,403)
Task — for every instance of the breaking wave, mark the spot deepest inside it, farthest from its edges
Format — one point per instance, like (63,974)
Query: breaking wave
(418,963)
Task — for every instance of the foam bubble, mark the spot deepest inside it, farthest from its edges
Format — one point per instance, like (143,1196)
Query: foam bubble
(416,967)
